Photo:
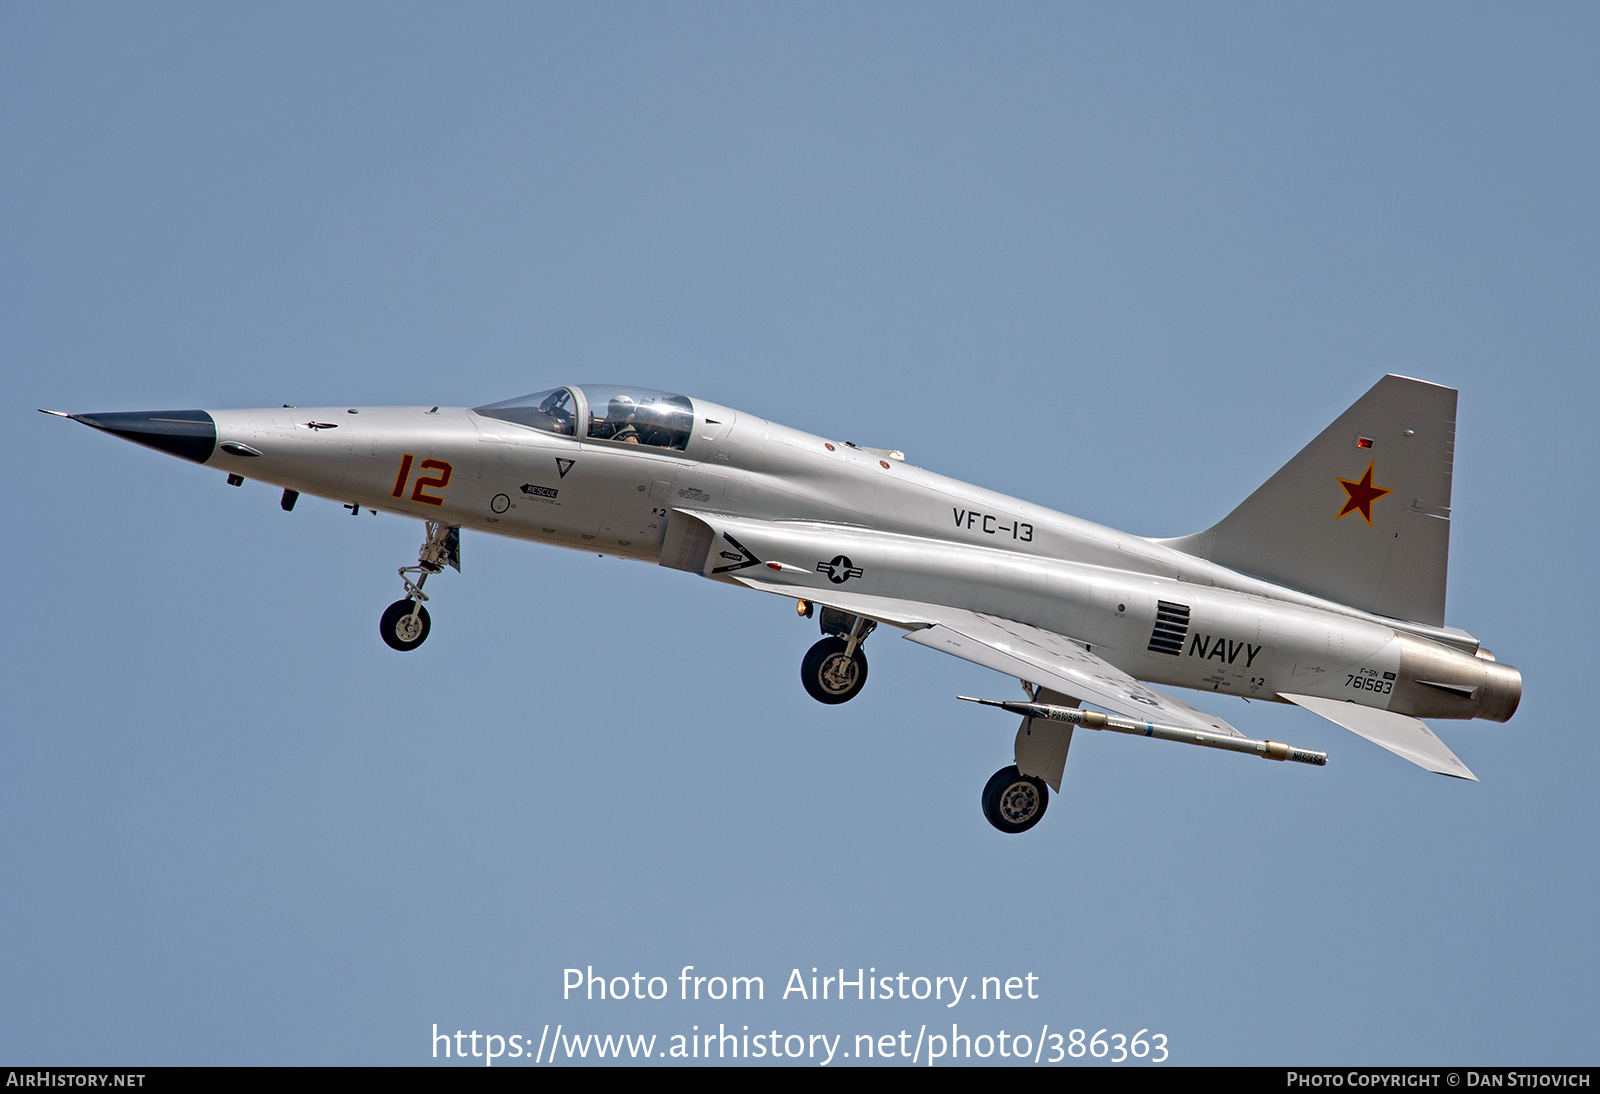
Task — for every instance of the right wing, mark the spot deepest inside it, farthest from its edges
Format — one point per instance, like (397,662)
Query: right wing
(1016,649)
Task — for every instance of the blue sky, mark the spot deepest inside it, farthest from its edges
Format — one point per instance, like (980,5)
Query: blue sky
(1121,260)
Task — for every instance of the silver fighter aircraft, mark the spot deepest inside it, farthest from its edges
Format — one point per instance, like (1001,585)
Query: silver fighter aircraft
(1325,588)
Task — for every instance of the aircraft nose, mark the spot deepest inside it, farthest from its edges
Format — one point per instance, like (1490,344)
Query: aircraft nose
(191,434)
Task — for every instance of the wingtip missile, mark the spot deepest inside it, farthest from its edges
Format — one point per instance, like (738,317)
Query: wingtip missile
(1094,719)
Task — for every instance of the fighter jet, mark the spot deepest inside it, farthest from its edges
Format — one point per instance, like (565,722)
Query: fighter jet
(1325,588)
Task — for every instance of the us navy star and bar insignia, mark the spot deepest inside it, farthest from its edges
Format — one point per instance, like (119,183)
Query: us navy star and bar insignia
(840,570)
(1359,496)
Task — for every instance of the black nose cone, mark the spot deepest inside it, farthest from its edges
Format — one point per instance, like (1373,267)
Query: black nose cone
(191,434)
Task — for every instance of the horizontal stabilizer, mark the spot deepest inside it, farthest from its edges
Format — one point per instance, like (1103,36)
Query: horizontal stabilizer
(1405,736)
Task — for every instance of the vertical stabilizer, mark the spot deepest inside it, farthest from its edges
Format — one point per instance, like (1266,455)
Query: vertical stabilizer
(1362,515)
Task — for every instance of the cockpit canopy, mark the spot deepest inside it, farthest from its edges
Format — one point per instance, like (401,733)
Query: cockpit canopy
(626,415)
(552,411)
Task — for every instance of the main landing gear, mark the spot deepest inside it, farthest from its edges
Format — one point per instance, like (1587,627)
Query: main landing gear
(835,669)
(1014,802)
(405,623)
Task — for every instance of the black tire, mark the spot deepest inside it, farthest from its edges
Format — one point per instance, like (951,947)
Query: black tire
(396,626)
(840,685)
(1014,802)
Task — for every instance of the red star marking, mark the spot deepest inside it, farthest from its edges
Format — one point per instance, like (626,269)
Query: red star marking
(1359,496)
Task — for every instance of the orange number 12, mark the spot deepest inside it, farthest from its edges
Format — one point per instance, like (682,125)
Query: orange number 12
(438,482)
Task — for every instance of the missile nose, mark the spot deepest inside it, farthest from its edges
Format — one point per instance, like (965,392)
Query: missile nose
(191,434)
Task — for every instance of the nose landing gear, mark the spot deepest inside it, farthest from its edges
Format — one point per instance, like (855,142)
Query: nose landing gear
(405,623)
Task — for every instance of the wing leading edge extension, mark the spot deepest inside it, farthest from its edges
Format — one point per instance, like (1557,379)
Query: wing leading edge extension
(1019,650)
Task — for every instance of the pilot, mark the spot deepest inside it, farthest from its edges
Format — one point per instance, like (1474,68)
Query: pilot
(620,413)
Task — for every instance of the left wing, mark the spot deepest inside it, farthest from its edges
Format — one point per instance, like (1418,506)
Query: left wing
(1019,650)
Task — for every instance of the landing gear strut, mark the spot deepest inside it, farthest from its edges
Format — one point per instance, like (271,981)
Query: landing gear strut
(1014,802)
(405,623)
(835,669)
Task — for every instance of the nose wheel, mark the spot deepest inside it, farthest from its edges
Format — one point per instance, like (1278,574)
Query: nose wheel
(405,623)
(1014,802)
